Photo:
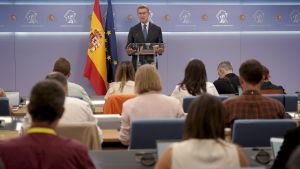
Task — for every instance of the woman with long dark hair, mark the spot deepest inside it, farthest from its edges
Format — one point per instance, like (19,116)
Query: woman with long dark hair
(194,82)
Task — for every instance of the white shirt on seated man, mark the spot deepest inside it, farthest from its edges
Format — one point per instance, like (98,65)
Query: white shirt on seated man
(76,110)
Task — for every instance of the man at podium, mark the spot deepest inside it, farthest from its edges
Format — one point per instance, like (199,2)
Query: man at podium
(147,33)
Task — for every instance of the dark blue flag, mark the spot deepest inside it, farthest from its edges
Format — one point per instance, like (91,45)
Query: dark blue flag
(111,45)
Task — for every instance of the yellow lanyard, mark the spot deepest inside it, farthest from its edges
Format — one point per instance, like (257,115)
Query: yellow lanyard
(41,130)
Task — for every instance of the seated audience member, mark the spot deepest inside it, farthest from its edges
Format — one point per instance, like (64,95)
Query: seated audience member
(228,82)
(76,110)
(194,82)
(63,66)
(204,145)
(150,103)
(41,147)
(289,145)
(124,80)
(251,104)
(2,93)
(294,162)
(267,84)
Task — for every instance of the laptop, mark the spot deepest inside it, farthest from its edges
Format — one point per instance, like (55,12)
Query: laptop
(162,145)
(276,145)
(13,97)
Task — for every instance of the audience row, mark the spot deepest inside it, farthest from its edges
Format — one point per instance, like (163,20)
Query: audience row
(203,143)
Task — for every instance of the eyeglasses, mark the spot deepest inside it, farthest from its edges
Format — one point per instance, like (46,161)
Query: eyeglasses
(142,13)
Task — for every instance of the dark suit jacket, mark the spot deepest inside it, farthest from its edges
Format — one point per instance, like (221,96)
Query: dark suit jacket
(228,85)
(291,141)
(136,36)
(269,85)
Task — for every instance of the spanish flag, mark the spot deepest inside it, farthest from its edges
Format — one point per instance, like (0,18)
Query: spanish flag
(95,68)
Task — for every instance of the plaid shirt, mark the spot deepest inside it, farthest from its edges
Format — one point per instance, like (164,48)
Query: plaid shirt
(252,105)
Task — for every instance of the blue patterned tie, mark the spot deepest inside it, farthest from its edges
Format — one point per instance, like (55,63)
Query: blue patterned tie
(145,31)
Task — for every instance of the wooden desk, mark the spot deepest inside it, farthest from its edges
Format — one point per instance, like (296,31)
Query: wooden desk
(20,112)
(110,135)
(7,134)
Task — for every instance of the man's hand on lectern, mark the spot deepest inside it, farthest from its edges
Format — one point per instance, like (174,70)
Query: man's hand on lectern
(129,51)
(160,51)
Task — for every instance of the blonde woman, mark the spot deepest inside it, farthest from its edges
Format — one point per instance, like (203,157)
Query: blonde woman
(149,103)
(124,80)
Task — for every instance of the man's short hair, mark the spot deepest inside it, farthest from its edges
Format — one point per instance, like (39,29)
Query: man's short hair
(225,65)
(143,7)
(147,79)
(59,77)
(251,71)
(63,66)
(46,101)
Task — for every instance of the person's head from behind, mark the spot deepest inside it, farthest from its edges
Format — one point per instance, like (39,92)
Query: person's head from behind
(143,13)
(147,79)
(251,74)
(125,72)
(63,66)
(195,77)
(46,102)
(224,68)
(205,119)
(266,74)
(60,78)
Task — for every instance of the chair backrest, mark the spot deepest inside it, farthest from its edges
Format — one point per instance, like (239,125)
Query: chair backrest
(4,106)
(86,133)
(257,132)
(279,97)
(291,102)
(189,99)
(114,103)
(187,102)
(144,133)
(272,91)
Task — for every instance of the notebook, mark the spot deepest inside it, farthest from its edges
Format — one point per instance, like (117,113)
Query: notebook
(13,97)
(276,144)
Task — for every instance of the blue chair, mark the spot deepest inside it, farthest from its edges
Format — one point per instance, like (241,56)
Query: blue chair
(279,97)
(144,133)
(4,106)
(257,132)
(291,102)
(187,101)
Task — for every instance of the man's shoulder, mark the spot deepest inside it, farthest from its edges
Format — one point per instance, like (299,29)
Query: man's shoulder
(71,144)
(135,26)
(7,144)
(32,139)
(154,26)
(233,99)
(220,81)
(232,75)
(72,101)
(74,86)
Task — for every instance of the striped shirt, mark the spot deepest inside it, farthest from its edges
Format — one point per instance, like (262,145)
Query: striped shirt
(252,105)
